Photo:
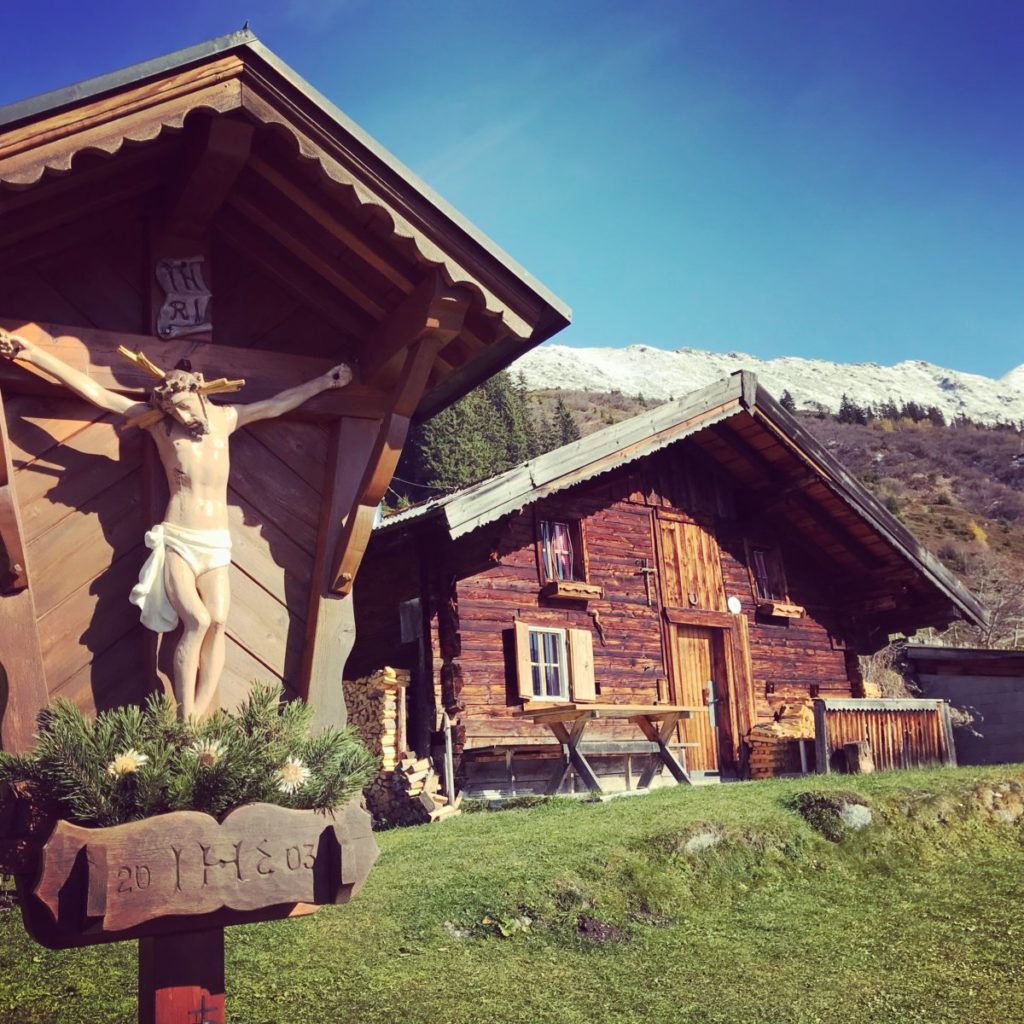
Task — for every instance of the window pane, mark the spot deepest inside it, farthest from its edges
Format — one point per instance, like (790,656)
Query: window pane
(548,663)
(535,666)
(554,681)
(550,648)
(561,550)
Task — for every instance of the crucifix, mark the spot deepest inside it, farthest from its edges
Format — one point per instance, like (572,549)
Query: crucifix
(643,569)
(185,577)
(201,1011)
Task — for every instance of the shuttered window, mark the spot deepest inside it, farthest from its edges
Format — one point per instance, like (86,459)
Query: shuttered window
(554,664)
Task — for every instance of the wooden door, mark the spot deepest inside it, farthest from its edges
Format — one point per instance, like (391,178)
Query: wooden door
(701,679)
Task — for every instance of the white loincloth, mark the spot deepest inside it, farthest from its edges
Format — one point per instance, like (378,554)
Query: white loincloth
(202,549)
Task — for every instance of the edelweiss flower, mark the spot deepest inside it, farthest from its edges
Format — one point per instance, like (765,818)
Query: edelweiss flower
(292,776)
(126,764)
(208,752)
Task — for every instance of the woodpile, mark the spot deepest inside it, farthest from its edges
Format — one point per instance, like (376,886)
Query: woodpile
(407,790)
(410,794)
(774,746)
(376,710)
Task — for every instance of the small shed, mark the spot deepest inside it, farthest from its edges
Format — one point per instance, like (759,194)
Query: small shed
(987,689)
(707,554)
(212,205)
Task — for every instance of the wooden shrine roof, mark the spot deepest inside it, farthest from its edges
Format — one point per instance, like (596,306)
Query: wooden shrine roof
(744,430)
(352,229)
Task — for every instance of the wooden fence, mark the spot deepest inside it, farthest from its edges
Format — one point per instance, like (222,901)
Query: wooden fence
(902,733)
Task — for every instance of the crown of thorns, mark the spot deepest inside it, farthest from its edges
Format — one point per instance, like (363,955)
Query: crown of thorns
(183,378)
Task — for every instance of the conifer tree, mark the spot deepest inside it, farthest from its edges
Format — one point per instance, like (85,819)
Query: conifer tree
(787,402)
(489,430)
(850,411)
(566,428)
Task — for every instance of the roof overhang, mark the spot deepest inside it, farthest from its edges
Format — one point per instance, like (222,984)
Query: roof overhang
(742,428)
(313,159)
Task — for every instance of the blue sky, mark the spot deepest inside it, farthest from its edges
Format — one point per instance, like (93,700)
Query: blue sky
(782,177)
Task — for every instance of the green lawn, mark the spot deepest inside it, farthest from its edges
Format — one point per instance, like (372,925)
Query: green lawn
(916,919)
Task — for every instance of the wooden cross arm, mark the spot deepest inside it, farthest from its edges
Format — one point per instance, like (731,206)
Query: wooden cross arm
(97,354)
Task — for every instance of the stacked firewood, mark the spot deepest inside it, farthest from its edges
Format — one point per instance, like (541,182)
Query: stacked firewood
(407,790)
(773,746)
(375,706)
(410,794)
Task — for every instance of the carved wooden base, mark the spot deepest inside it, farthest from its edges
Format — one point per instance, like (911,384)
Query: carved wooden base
(186,871)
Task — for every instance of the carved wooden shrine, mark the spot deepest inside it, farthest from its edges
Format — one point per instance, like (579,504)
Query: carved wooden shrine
(211,206)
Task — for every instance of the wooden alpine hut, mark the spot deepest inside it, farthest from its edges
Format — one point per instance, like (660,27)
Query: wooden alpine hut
(682,590)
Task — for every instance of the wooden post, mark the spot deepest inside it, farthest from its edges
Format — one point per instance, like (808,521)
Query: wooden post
(331,618)
(22,683)
(181,978)
(821,750)
(947,734)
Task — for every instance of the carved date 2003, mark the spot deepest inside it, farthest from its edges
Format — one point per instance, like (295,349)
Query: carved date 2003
(199,866)
(187,863)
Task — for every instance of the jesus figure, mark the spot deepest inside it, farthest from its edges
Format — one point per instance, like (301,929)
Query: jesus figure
(186,575)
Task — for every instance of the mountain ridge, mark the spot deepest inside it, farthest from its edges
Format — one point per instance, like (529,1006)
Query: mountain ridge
(660,374)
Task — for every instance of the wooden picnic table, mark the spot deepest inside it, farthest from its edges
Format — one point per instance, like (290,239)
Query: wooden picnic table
(569,724)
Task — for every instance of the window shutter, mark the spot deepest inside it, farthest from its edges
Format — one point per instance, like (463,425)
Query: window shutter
(524,676)
(581,660)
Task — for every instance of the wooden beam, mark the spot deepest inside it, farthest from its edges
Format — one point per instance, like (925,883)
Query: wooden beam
(22,680)
(11,534)
(179,227)
(356,241)
(279,264)
(320,263)
(380,466)
(95,352)
(214,163)
(330,619)
(433,309)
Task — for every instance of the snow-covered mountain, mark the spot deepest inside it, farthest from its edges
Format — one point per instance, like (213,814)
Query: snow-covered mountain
(658,374)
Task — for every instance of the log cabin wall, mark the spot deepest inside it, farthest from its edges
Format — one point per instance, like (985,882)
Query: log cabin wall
(789,656)
(628,660)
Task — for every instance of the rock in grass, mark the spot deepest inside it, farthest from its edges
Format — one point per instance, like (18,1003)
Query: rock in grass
(702,841)
(834,814)
(855,816)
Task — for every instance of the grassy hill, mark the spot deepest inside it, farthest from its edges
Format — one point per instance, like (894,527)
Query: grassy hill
(716,904)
